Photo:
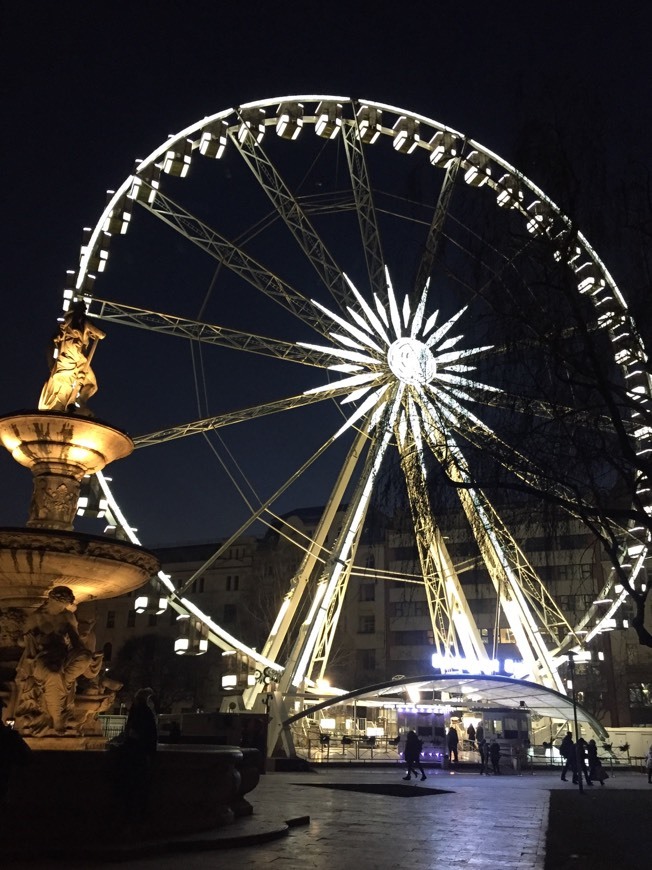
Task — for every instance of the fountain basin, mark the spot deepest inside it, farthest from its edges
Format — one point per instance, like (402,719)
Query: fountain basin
(32,561)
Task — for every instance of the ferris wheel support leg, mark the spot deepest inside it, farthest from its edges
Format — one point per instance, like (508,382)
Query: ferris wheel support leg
(279,735)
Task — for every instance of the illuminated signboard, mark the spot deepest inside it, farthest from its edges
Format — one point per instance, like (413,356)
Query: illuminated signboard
(458,664)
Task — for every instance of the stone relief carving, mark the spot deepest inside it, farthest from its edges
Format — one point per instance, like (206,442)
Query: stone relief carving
(54,498)
(54,657)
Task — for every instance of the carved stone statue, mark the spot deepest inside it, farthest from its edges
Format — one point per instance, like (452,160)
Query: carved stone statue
(72,381)
(53,659)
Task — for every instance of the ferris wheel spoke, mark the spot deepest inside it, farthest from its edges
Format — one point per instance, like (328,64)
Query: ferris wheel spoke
(364,201)
(531,612)
(435,229)
(229,418)
(454,417)
(237,260)
(301,582)
(293,215)
(181,327)
(321,620)
(546,410)
(451,416)
(453,625)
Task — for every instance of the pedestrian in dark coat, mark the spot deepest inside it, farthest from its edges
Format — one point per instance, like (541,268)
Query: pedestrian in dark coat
(413,747)
(483,749)
(596,770)
(452,739)
(567,752)
(136,756)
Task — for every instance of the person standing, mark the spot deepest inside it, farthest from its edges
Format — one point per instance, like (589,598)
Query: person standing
(452,739)
(648,764)
(470,733)
(413,747)
(137,754)
(484,752)
(494,755)
(479,732)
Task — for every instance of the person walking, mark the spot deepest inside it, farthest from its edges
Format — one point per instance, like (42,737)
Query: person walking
(567,752)
(648,764)
(596,770)
(452,739)
(413,747)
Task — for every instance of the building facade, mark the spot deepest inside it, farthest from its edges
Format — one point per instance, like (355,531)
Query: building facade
(384,630)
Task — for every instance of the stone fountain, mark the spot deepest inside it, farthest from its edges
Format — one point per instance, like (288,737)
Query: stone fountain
(51,676)
(52,680)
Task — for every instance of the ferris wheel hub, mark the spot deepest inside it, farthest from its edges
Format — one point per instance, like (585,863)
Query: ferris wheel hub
(411,361)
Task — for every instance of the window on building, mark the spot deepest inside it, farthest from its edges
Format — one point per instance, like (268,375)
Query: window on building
(416,637)
(366,659)
(484,634)
(232,583)
(367,592)
(230,613)
(198,585)
(409,608)
(110,619)
(107,652)
(131,618)
(507,635)
(366,624)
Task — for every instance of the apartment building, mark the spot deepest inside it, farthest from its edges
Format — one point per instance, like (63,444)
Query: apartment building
(384,629)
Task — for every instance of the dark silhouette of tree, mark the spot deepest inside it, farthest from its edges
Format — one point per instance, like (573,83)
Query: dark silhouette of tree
(150,660)
(577,447)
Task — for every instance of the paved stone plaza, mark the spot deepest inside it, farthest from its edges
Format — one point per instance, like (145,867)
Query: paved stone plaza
(489,822)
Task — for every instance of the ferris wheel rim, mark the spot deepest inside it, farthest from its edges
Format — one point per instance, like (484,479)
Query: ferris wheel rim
(549,209)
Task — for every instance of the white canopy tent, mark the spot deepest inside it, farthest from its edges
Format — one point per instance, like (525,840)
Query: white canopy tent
(477,691)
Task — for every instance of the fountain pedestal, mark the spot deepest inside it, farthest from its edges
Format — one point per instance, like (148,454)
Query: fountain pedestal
(60,449)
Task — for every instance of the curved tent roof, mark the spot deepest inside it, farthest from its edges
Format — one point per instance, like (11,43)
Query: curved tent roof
(476,691)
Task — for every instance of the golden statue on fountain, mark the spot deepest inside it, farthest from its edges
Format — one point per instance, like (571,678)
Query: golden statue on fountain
(72,381)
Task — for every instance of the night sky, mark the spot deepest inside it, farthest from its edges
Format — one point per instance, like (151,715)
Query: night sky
(89,87)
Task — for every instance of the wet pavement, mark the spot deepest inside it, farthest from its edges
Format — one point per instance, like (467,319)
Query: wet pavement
(369,817)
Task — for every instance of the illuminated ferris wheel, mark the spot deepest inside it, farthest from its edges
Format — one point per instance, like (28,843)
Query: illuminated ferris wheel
(395,293)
